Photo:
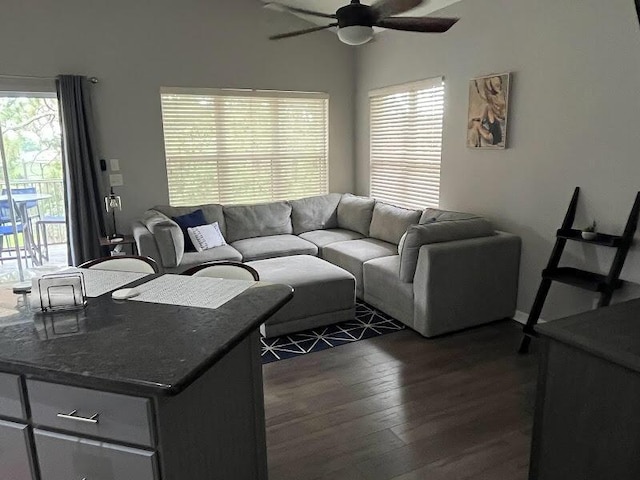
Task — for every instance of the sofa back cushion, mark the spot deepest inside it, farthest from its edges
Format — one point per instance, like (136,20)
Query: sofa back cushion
(260,220)
(389,222)
(436,215)
(212,213)
(354,213)
(437,232)
(168,237)
(315,213)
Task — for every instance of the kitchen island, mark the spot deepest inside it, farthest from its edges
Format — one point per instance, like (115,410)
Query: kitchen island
(122,390)
(586,422)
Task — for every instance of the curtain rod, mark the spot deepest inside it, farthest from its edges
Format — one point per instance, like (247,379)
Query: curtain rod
(93,80)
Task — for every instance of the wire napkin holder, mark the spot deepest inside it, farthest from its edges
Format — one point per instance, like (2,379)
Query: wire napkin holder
(62,291)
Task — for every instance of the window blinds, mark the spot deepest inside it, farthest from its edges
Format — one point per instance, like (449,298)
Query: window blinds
(406,143)
(240,146)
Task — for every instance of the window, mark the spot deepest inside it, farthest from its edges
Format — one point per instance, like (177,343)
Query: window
(406,143)
(241,146)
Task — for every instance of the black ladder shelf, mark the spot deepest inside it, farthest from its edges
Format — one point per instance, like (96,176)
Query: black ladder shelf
(595,282)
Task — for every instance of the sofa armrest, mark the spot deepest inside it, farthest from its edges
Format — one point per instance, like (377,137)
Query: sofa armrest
(464,283)
(146,242)
(167,235)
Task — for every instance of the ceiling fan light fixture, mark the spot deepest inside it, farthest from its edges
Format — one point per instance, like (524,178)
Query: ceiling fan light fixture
(355,34)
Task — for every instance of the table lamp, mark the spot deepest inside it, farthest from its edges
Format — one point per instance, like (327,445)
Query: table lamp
(112,202)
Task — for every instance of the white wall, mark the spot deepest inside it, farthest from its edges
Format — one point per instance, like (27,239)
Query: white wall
(575,116)
(135,47)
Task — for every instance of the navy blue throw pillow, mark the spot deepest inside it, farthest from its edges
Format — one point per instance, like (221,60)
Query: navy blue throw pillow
(193,219)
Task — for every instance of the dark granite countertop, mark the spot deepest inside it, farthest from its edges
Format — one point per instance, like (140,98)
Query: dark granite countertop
(133,347)
(612,333)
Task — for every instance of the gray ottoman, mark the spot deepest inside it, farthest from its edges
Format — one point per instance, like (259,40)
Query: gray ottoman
(323,293)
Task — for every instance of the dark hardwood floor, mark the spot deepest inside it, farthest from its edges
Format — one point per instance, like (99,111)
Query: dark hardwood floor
(402,407)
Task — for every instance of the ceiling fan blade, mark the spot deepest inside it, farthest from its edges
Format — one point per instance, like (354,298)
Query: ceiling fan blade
(286,8)
(417,24)
(386,8)
(301,32)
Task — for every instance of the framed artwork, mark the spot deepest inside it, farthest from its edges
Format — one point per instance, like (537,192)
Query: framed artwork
(488,111)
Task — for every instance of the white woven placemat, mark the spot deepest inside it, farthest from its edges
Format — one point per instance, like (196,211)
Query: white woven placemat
(202,292)
(99,282)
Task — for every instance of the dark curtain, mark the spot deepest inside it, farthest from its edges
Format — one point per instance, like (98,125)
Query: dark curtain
(638,9)
(83,200)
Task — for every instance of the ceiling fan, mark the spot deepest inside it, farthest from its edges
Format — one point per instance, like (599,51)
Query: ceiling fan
(355,21)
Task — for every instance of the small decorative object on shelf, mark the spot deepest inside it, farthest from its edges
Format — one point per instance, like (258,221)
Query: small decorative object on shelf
(590,232)
(113,202)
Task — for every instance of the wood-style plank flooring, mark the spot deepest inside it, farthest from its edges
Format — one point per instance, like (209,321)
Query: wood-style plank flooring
(402,407)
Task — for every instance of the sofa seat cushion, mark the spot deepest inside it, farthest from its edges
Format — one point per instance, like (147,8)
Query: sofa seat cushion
(273,246)
(225,252)
(384,290)
(352,254)
(322,238)
(260,220)
(323,293)
(315,213)
(389,222)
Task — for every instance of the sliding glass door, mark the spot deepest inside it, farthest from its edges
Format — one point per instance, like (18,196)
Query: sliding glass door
(32,212)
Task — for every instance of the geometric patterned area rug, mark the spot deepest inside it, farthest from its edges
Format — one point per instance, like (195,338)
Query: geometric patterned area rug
(368,323)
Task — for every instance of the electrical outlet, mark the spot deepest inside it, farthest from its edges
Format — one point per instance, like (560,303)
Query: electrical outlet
(115,165)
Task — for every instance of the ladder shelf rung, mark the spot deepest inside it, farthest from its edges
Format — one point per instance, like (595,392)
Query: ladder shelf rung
(596,282)
(600,239)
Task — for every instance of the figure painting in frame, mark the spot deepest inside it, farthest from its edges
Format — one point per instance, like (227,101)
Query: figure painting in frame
(488,111)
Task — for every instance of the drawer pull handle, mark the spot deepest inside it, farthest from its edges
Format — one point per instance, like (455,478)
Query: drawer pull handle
(72,416)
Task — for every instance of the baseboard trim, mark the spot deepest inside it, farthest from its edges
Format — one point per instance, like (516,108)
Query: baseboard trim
(522,317)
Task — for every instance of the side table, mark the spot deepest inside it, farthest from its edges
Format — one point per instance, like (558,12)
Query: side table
(117,248)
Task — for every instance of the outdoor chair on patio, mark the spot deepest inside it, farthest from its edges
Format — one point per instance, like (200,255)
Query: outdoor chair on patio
(41,231)
(29,205)
(6,230)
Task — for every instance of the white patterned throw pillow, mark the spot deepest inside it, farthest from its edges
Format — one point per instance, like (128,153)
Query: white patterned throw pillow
(206,237)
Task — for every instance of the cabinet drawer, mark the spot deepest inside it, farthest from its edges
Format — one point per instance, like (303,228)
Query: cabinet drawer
(15,457)
(64,457)
(11,396)
(90,412)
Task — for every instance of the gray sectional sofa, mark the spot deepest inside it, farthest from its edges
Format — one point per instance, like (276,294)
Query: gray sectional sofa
(435,271)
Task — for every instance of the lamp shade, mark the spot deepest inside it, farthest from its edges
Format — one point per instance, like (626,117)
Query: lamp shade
(355,34)
(112,202)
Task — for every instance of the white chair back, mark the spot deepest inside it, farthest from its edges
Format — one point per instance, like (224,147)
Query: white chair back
(230,272)
(122,264)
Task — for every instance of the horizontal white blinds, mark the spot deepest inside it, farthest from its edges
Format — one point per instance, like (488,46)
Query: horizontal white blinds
(406,143)
(226,146)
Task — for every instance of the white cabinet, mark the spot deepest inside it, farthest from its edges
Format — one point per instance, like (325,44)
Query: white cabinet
(11,396)
(65,457)
(15,453)
(112,416)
